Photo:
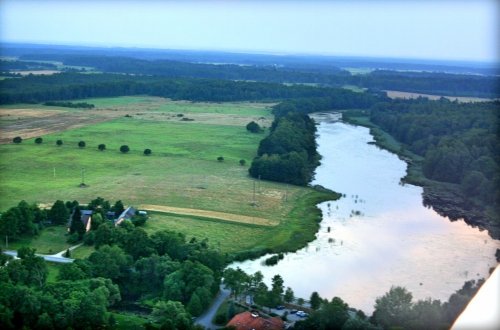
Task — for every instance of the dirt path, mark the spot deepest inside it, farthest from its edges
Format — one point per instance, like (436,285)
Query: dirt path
(211,214)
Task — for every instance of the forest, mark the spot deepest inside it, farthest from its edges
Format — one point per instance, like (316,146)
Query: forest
(438,83)
(68,86)
(459,143)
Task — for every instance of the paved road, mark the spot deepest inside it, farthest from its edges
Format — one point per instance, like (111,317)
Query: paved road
(52,258)
(206,318)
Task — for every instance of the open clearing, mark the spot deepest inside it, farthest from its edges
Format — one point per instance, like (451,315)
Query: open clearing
(31,121)
(212,199)
(238,218)
(408,95)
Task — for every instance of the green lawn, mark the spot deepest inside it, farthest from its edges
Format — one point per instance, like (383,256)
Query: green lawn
(54,269)
(129,321)
(182,171)
(51,240)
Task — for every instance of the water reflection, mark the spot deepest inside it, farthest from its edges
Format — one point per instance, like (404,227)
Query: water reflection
(379,234)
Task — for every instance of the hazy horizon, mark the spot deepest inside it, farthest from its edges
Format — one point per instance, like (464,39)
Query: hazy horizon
(426,30)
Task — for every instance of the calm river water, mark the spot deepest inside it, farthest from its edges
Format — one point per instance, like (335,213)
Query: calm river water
(379,234)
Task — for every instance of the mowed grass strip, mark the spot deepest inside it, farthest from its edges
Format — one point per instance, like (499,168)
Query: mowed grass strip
(238,218)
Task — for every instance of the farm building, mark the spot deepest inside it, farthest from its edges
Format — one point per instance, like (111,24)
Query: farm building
(125,215)
(85,218)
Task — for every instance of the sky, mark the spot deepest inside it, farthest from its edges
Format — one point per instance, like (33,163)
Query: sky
(427,29)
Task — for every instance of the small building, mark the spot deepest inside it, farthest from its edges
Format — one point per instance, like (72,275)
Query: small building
(252,321)
(125,215)
(85,218)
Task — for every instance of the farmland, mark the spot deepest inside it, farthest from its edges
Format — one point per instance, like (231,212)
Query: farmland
(182,171)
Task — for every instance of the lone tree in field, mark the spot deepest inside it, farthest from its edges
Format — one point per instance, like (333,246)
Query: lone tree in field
(147,152)
(38,140)
(101,147)
(124,149)
(253,127)
(17,139)
(220,159)
(243,162)
(81,144)
(59,142)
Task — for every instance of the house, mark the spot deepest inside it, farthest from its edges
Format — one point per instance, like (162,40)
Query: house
(252,321)
(125,215)
(85,218)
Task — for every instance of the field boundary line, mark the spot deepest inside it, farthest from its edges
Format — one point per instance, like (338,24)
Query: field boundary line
(230,217)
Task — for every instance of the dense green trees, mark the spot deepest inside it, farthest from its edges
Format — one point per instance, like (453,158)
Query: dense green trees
(288,153)
(458,141)
(253,127)
(58,213)
(21,220)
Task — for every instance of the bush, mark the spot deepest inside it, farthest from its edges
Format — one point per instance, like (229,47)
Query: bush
(124,149)
(101,147)
(81,144)
(147,152)
(220,159)
(17,139)
(253,127)
(59,142)
(38,140)
(73,238)
(242,162)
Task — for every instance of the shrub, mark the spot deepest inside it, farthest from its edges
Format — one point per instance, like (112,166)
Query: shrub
(124,149)
(59,142)
(220,159)
(38,140)
(147,152)
(253,127)
(17,139)
(242,162)
(101,147)
(81,144)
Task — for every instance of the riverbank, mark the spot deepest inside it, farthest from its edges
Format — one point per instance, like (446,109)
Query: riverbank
(445,198)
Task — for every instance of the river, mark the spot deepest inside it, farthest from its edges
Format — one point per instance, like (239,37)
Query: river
(379,234)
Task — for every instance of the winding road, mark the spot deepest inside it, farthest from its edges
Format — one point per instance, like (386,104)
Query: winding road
(206,318)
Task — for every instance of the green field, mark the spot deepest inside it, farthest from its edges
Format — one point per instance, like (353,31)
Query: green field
(50,241)
(182,171)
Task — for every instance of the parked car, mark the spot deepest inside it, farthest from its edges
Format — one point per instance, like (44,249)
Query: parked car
(302,314)
(293,311)
(280,307)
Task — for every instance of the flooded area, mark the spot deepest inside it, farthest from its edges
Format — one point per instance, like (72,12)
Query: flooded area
(379,234)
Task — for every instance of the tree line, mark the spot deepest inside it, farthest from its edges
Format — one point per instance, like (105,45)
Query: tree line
(422,82)
(70,86)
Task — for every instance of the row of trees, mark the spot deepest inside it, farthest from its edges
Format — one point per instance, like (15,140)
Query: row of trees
(81,144)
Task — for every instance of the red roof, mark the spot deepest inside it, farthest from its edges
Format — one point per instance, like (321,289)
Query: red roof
(245,321)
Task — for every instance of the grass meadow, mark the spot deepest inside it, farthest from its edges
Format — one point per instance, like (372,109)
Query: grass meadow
(182,171)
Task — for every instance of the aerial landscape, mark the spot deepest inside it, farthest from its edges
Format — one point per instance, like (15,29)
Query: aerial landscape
(249,165)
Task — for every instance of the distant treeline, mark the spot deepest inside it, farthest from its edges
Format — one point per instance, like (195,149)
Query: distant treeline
(25,65)
(419,82)
(68,86)
(459,143)
(83,105)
